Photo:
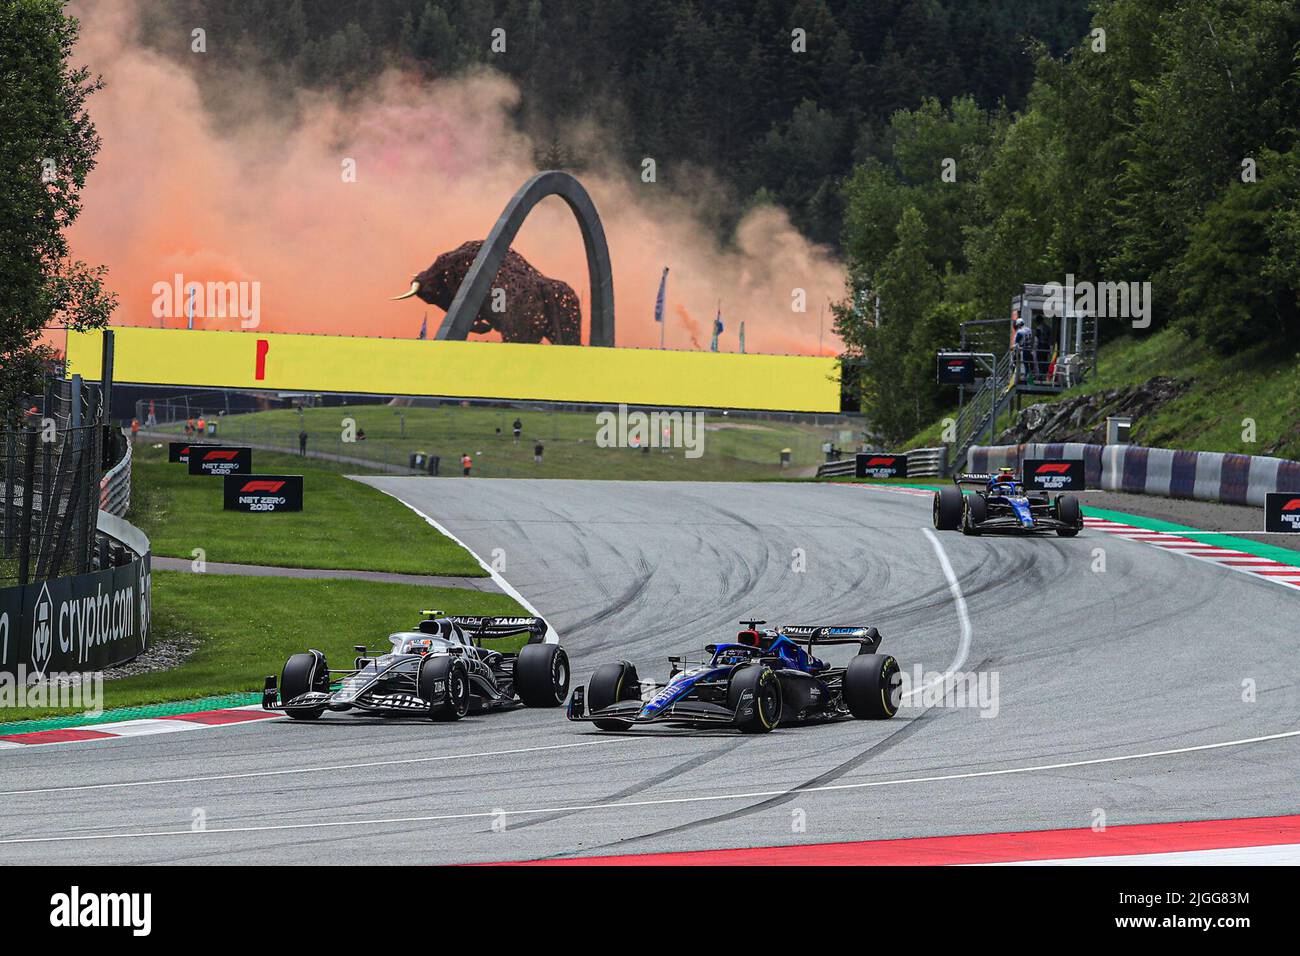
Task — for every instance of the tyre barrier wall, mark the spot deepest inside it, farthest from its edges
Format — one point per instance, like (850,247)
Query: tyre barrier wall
(1201,475)
(80,622)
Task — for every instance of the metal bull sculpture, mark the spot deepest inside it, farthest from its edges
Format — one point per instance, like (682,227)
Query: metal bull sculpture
(535,308)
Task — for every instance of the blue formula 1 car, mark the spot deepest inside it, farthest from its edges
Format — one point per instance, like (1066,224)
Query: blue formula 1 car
(1003,504)
(764,678)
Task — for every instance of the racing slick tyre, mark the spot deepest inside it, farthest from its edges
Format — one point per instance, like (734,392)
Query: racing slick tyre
(976,511)
(1067,512)
(873,686)
(303,673)
(443,683)
(610,684)
(947,509)
(761,710)
(542,675)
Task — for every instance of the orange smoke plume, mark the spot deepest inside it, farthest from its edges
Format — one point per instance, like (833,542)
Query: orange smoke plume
(273,202)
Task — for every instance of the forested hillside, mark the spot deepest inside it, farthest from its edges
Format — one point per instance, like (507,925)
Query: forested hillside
(708,87)
(1161,149)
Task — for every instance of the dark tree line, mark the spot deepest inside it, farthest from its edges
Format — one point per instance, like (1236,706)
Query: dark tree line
(1163,150)
(698,84)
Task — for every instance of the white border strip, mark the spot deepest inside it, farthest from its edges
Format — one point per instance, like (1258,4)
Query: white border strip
(552,635)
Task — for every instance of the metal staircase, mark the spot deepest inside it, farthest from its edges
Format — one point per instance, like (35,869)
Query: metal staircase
(980,412)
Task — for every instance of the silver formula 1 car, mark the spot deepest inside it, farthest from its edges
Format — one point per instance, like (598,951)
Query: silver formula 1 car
(442,670)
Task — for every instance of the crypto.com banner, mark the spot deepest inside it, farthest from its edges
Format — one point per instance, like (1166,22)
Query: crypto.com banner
(84,622)
(502,370)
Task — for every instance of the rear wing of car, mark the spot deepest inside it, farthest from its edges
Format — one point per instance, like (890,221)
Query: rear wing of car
(972,479)
(868,638)
(492,628)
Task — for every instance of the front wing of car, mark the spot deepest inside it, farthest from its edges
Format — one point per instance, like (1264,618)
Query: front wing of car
(693,711)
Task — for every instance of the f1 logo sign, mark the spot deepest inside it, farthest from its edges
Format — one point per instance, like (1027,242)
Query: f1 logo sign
(1051,474)
(222,454)
(270,487)
(1282,512)
(874,465)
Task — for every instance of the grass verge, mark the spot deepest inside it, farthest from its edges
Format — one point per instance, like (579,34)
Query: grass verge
(344,525)
(248,627)
(734,449)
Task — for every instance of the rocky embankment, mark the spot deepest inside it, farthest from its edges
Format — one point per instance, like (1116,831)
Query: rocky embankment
(1083,418)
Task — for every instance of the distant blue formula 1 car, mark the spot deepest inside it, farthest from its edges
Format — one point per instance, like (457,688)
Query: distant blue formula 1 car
(1004,505)
(765,678)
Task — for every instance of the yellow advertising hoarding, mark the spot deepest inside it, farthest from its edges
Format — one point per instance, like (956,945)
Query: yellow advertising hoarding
(495,370)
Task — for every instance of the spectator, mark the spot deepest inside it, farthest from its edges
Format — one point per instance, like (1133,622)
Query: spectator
(466,463)
(135,430)
(302,443)
(518,427)
(152,420)
(189,428)
(201,425)
(827,449)
(1024,347)
(537,453)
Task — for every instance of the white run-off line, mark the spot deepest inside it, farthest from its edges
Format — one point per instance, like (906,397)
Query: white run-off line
(497,813)
(552,635)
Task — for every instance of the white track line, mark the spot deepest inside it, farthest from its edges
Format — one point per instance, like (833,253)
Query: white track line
(663,801)
(324,769)
(552,635)
(963,648)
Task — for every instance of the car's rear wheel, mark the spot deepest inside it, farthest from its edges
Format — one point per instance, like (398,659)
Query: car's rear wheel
(756,691)
(947,509)
(542,675)
(302,674)
(975,512)
(1067,512)
(610,684)
(443,683)
(873,686)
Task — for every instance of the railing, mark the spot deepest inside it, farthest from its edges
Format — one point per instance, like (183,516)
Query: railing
(921,463)
(115,486)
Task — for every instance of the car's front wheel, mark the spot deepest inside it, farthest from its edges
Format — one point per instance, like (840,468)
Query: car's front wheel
(755,695)
(302,674)
(947,508)
(1068,513)
(542,675)
(443,684)
(975,512)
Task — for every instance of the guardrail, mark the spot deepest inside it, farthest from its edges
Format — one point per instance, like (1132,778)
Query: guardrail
(115,486)
(1199,475)
(837,469)
(921,463)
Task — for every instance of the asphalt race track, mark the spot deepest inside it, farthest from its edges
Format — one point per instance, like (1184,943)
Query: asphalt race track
(1108,683)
